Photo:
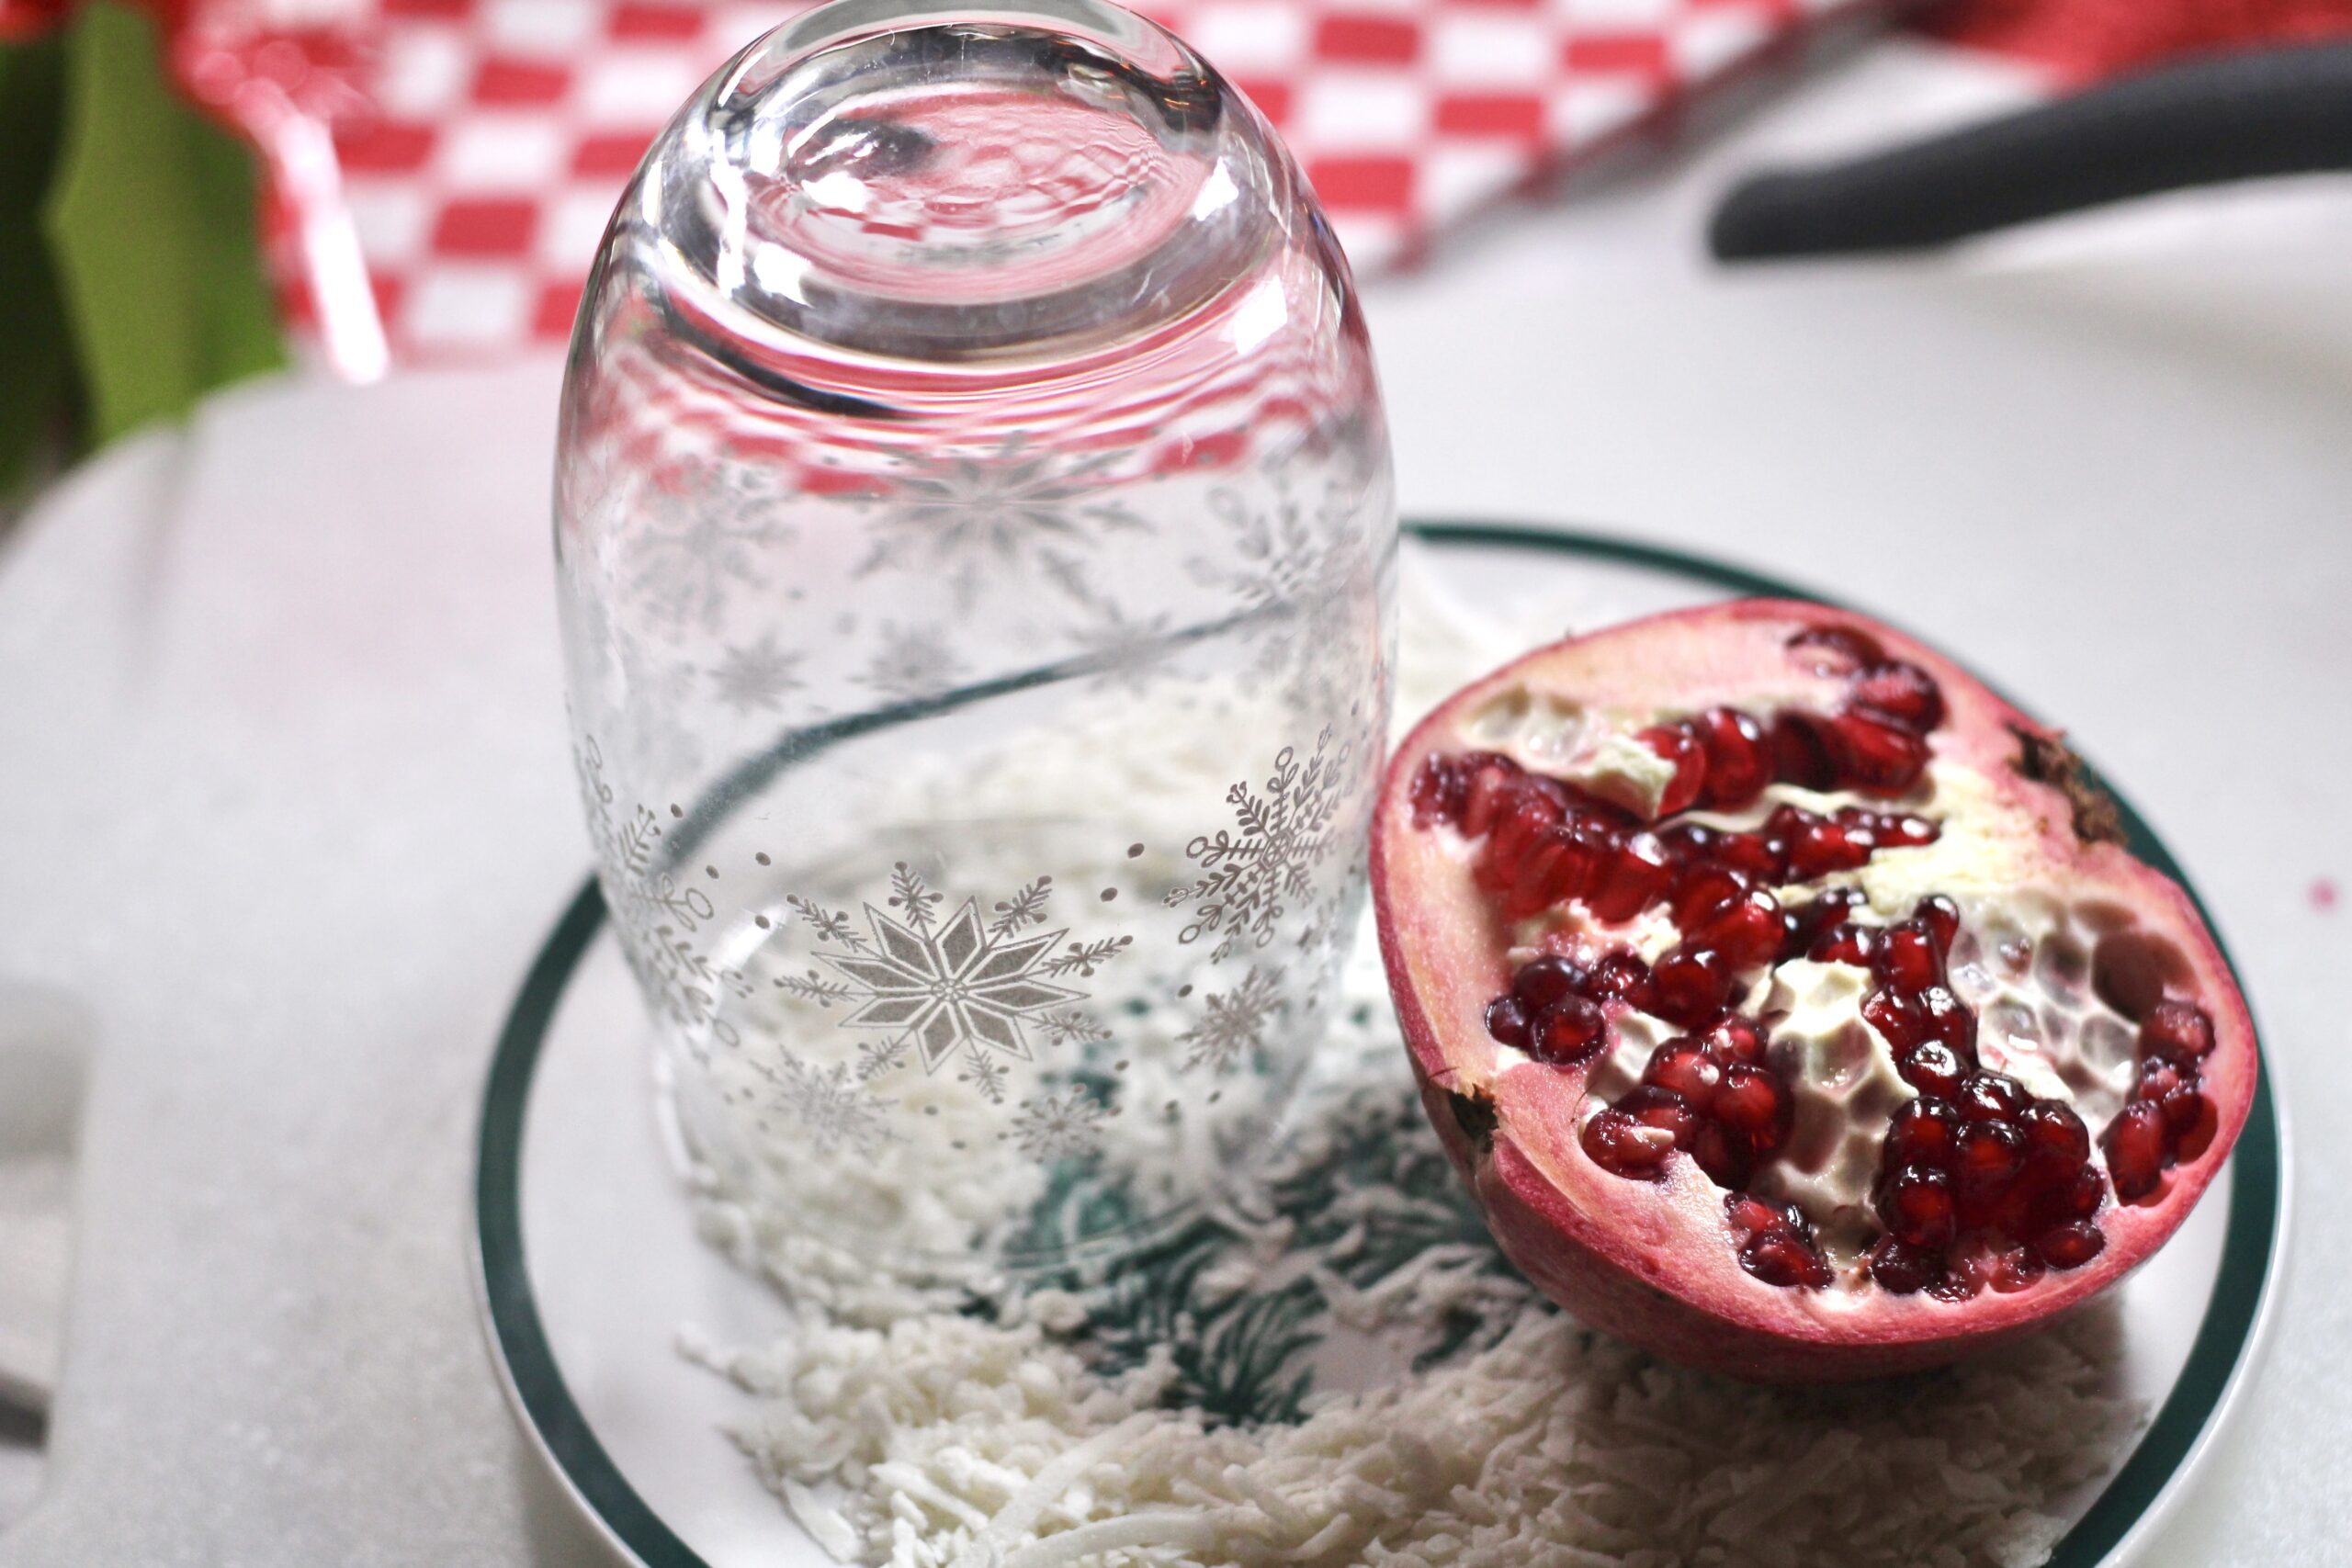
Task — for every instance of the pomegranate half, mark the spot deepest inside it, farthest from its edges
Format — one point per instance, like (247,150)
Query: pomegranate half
(1788,999)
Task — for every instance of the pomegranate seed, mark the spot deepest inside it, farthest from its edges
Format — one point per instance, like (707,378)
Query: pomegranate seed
(1678,744)
(1736,1041)
(1751,1216)
(2184,1108)
(1943,1016)
(1568,1032)
(2071,1245)
(1507,1021)
(1990,1096)
(1546,981)
(1545,875)
(1753,1102)
(1897,1018)
(1986,1159)
(1836,651)
(1752,854)
(1799,754)
(1909,831)
(1618,1143)
(1631,879)
(1779,1258)
(1704,887)
(1906,956)
(1684,1067)
(1901,1270)
(1925,1131)
(1933,1067)
(1919,1207)
(1437,792)
(1663,1110)
(2081,1196)
(1875,756)
(1739,760)
(1491,789)
(1726,1163)
(2155,1079)
(1804,926)
(2175,1029)
(1517,828)
(1623,977)
(2198,1137)
(1955,1288)
(1902,693)
(1692,985)
(2055,1138)
(1821,847)
(1941,917)
(2016,1269)
(2134,1142)
(1746,930)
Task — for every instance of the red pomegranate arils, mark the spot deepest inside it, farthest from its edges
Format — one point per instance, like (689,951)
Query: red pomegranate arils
(2134,1142)
(1982,1189)
(1617,1142)
(2178,1030)
(1739,758)
(1901,692)
(1836,651)
(1546,980)
(1507,1021)
(1941,917)
(1568,1032)
(1919,1207)
(2070,1245)
(1678,744)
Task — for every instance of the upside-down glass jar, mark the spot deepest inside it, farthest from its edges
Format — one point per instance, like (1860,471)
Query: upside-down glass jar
(975,546)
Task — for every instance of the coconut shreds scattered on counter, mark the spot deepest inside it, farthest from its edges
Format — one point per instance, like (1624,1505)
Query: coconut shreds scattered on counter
(1347,1374)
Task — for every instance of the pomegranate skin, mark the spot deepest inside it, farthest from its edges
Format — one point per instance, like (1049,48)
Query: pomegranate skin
(1649,1260)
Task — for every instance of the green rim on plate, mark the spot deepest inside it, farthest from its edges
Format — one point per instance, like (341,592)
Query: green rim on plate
(2248,1250)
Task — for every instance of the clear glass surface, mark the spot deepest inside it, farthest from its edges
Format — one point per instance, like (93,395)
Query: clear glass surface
(975,545)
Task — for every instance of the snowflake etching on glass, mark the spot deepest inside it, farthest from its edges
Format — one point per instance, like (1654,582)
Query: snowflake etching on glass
(912,663)
(1026,518)
(755,677)
(1300,574)
(1234,1027)
(949,987)
(1059,1126)
(1258,871)
(831,1107)
(709,522)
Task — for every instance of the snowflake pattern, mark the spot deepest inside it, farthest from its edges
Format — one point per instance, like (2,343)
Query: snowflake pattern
(1062,1126)
(952,987)
(1125,655)
(1071,1027)
(709,525)
(911,663)
(1026,907)
(755,677)
(1023,516)
(1236,1023)
(1250,878)
(830,1105)
(1301,575)
(984,1074)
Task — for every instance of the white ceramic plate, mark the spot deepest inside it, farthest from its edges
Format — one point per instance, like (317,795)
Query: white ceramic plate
(591,1264)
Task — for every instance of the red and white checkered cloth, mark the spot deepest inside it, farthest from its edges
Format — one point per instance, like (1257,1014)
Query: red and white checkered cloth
(506,128)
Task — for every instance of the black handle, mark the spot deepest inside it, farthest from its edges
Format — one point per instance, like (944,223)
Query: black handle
(2230,118)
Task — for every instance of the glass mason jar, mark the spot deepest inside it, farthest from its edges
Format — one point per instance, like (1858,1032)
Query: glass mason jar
(975,548)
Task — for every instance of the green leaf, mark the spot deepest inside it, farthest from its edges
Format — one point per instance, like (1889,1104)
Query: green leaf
(152,234)
(37,381)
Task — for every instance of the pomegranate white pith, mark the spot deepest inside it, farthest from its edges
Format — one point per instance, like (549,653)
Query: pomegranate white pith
(1783,998)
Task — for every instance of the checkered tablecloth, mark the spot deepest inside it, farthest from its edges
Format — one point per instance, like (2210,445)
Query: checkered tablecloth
(504,129)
